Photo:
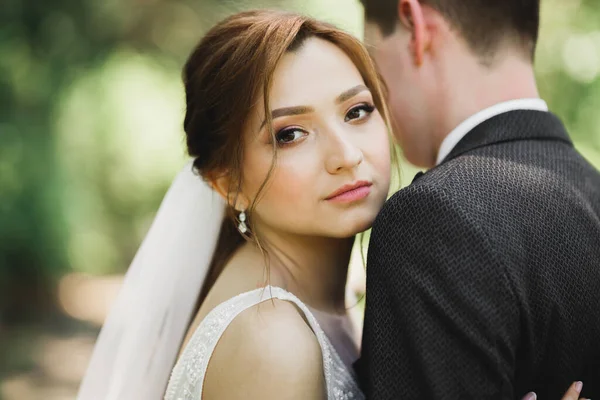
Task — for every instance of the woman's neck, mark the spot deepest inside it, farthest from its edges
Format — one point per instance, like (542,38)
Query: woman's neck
(313,268)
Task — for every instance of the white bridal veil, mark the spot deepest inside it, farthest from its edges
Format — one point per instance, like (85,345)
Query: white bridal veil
(140,339)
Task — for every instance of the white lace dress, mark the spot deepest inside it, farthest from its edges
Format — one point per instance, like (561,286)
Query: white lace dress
(187,378)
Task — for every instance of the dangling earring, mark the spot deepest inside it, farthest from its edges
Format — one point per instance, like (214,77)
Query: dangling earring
(242,227)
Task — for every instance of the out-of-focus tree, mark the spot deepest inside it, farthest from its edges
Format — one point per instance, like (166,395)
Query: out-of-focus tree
(91,106)
(568,69)
(90,114)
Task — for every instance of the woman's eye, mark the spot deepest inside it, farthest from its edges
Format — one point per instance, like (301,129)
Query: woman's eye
(288,136)
(359,112)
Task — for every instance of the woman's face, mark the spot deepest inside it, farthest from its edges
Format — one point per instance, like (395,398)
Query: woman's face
(333,163)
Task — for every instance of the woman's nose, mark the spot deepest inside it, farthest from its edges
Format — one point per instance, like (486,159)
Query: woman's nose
(342,153)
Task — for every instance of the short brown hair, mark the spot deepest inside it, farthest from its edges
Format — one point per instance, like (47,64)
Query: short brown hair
(484,24)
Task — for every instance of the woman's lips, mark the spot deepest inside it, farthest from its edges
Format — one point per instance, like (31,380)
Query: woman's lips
(351,193)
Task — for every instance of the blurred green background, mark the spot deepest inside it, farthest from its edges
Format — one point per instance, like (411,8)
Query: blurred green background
(91,109)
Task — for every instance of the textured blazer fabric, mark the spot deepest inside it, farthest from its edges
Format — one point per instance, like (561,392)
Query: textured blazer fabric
(483,275)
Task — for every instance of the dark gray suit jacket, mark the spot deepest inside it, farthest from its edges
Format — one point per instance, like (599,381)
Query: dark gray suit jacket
(483,276)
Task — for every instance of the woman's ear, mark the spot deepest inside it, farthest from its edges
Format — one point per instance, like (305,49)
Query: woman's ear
(221,183)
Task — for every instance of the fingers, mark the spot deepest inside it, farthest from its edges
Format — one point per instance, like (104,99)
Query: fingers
(530,396)
(573,392)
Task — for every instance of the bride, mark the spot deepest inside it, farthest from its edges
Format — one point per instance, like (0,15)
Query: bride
(238,290)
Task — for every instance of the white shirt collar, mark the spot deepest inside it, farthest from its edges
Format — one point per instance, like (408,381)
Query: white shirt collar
(467,125)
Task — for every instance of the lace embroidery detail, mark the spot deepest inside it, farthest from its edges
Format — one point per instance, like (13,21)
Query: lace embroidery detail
(187,378)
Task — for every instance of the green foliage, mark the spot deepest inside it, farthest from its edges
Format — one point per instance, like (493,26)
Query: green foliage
(90,120)
(568,69)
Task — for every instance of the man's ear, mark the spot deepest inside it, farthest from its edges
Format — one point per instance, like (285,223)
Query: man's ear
(221,183)
(411,16)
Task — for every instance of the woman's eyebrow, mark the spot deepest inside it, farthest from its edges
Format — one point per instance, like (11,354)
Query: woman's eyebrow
(299,110)
(350,93)
(285,111)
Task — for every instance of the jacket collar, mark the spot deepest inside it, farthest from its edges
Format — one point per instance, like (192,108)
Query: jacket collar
(512,126)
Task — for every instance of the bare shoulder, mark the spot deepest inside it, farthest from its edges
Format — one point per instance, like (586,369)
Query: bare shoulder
(268,351)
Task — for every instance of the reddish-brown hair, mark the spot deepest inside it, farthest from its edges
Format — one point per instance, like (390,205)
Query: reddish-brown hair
(225,76)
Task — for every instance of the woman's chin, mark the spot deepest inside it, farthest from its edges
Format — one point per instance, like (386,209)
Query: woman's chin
(353,228)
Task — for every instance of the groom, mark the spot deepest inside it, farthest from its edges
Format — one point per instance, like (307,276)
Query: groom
(484,273)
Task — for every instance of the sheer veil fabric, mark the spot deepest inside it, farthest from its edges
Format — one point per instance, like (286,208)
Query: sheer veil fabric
(139,342)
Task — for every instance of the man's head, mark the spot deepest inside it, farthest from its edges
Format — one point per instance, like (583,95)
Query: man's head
(434,54)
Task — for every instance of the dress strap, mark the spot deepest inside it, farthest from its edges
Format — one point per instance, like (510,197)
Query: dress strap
(191,368)
(326,346)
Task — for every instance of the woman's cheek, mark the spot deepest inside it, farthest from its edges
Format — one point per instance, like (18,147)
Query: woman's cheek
(291,184)
(379,156)
(382,159)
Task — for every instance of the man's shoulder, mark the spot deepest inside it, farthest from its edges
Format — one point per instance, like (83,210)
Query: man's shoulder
(435,186)
(471,184)
(428,198)
(500,194)
(483,177)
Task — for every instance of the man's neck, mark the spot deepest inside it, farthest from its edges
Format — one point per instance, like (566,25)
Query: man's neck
(470,123)
(473,88)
